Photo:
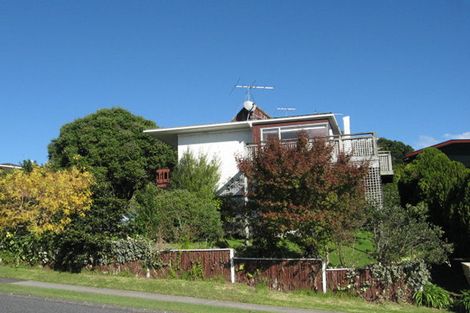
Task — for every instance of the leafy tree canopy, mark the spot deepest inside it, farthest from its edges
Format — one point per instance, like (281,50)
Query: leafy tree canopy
(43,200)
(110,144)
(443,185)
(196,174)
(299,193)
(397,149)
(176,215)
(405,234)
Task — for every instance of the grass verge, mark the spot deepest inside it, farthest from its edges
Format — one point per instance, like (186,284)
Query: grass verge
(213,290)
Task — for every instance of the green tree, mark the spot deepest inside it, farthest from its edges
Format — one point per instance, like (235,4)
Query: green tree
(196,174)
(397,149)
(404,234)
(443,185)
(176,215)
(300,194)
(110,144)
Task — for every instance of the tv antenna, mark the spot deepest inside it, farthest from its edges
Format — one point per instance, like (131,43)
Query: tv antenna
(286,109)
(253,86)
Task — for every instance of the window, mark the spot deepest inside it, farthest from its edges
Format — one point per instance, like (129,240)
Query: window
(292,132)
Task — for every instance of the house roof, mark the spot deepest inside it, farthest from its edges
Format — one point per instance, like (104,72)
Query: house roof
(438,146)
(9,166)
(170,135)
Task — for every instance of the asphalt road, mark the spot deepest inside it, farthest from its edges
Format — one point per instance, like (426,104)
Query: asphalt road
(24,304)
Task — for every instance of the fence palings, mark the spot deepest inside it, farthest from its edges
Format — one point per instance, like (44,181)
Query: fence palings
(280,274)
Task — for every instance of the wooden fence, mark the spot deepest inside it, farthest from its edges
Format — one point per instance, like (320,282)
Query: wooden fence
(211,263)
(278,274)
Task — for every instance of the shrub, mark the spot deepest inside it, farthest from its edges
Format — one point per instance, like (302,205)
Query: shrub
(399,282)
(43,200)
(463,304)
(176,215)
(76,249)
(405,234)
(433,296)
(444,186)
(122,251)
(196,174)
(18,248)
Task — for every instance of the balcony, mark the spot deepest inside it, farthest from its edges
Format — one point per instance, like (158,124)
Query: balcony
(361,146)
(358,145)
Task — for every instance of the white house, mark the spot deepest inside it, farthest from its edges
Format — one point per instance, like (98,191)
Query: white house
(225,141)
(9,166)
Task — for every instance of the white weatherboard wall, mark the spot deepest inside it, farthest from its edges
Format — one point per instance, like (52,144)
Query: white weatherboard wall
(223,145)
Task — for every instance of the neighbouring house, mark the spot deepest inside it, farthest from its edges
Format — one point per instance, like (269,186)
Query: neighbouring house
(249,128)
(455,149)
(8,166)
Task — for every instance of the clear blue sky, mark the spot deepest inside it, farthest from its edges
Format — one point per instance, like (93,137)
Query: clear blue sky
(399,68)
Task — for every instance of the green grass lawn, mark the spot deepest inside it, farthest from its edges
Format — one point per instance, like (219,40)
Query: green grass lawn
(211,290)
(356,254)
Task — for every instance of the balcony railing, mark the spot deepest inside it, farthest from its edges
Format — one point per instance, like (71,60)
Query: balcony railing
(385,160)
(358,145)
(363,145)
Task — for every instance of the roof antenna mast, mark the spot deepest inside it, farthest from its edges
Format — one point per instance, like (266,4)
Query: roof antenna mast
(249,104)
(286,109)
(253,86)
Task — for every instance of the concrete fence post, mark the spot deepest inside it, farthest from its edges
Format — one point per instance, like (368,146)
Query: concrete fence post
(232,266)
(323,275)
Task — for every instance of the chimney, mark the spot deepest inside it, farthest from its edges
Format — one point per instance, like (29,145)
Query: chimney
(346,125)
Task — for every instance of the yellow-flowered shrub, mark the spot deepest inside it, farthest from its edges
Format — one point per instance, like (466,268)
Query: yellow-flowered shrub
(43,200)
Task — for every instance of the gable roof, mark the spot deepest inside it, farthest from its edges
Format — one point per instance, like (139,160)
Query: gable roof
(438,146)
(9,166)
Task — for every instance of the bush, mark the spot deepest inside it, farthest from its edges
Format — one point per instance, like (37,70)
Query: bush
(463,304)
(405,234)
(122,251)
(196,174)
(399,282)
(444,186)
(433,296)
(176,215)
(76,249)
(18,248)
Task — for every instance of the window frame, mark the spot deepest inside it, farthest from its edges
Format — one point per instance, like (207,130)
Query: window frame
(299,127)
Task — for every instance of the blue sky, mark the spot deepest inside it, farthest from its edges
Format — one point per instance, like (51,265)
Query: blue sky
(399,68)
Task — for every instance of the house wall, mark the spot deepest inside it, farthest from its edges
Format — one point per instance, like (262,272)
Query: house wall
(224,146)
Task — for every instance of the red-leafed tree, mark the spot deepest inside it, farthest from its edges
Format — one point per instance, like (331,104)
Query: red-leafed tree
(304,193)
